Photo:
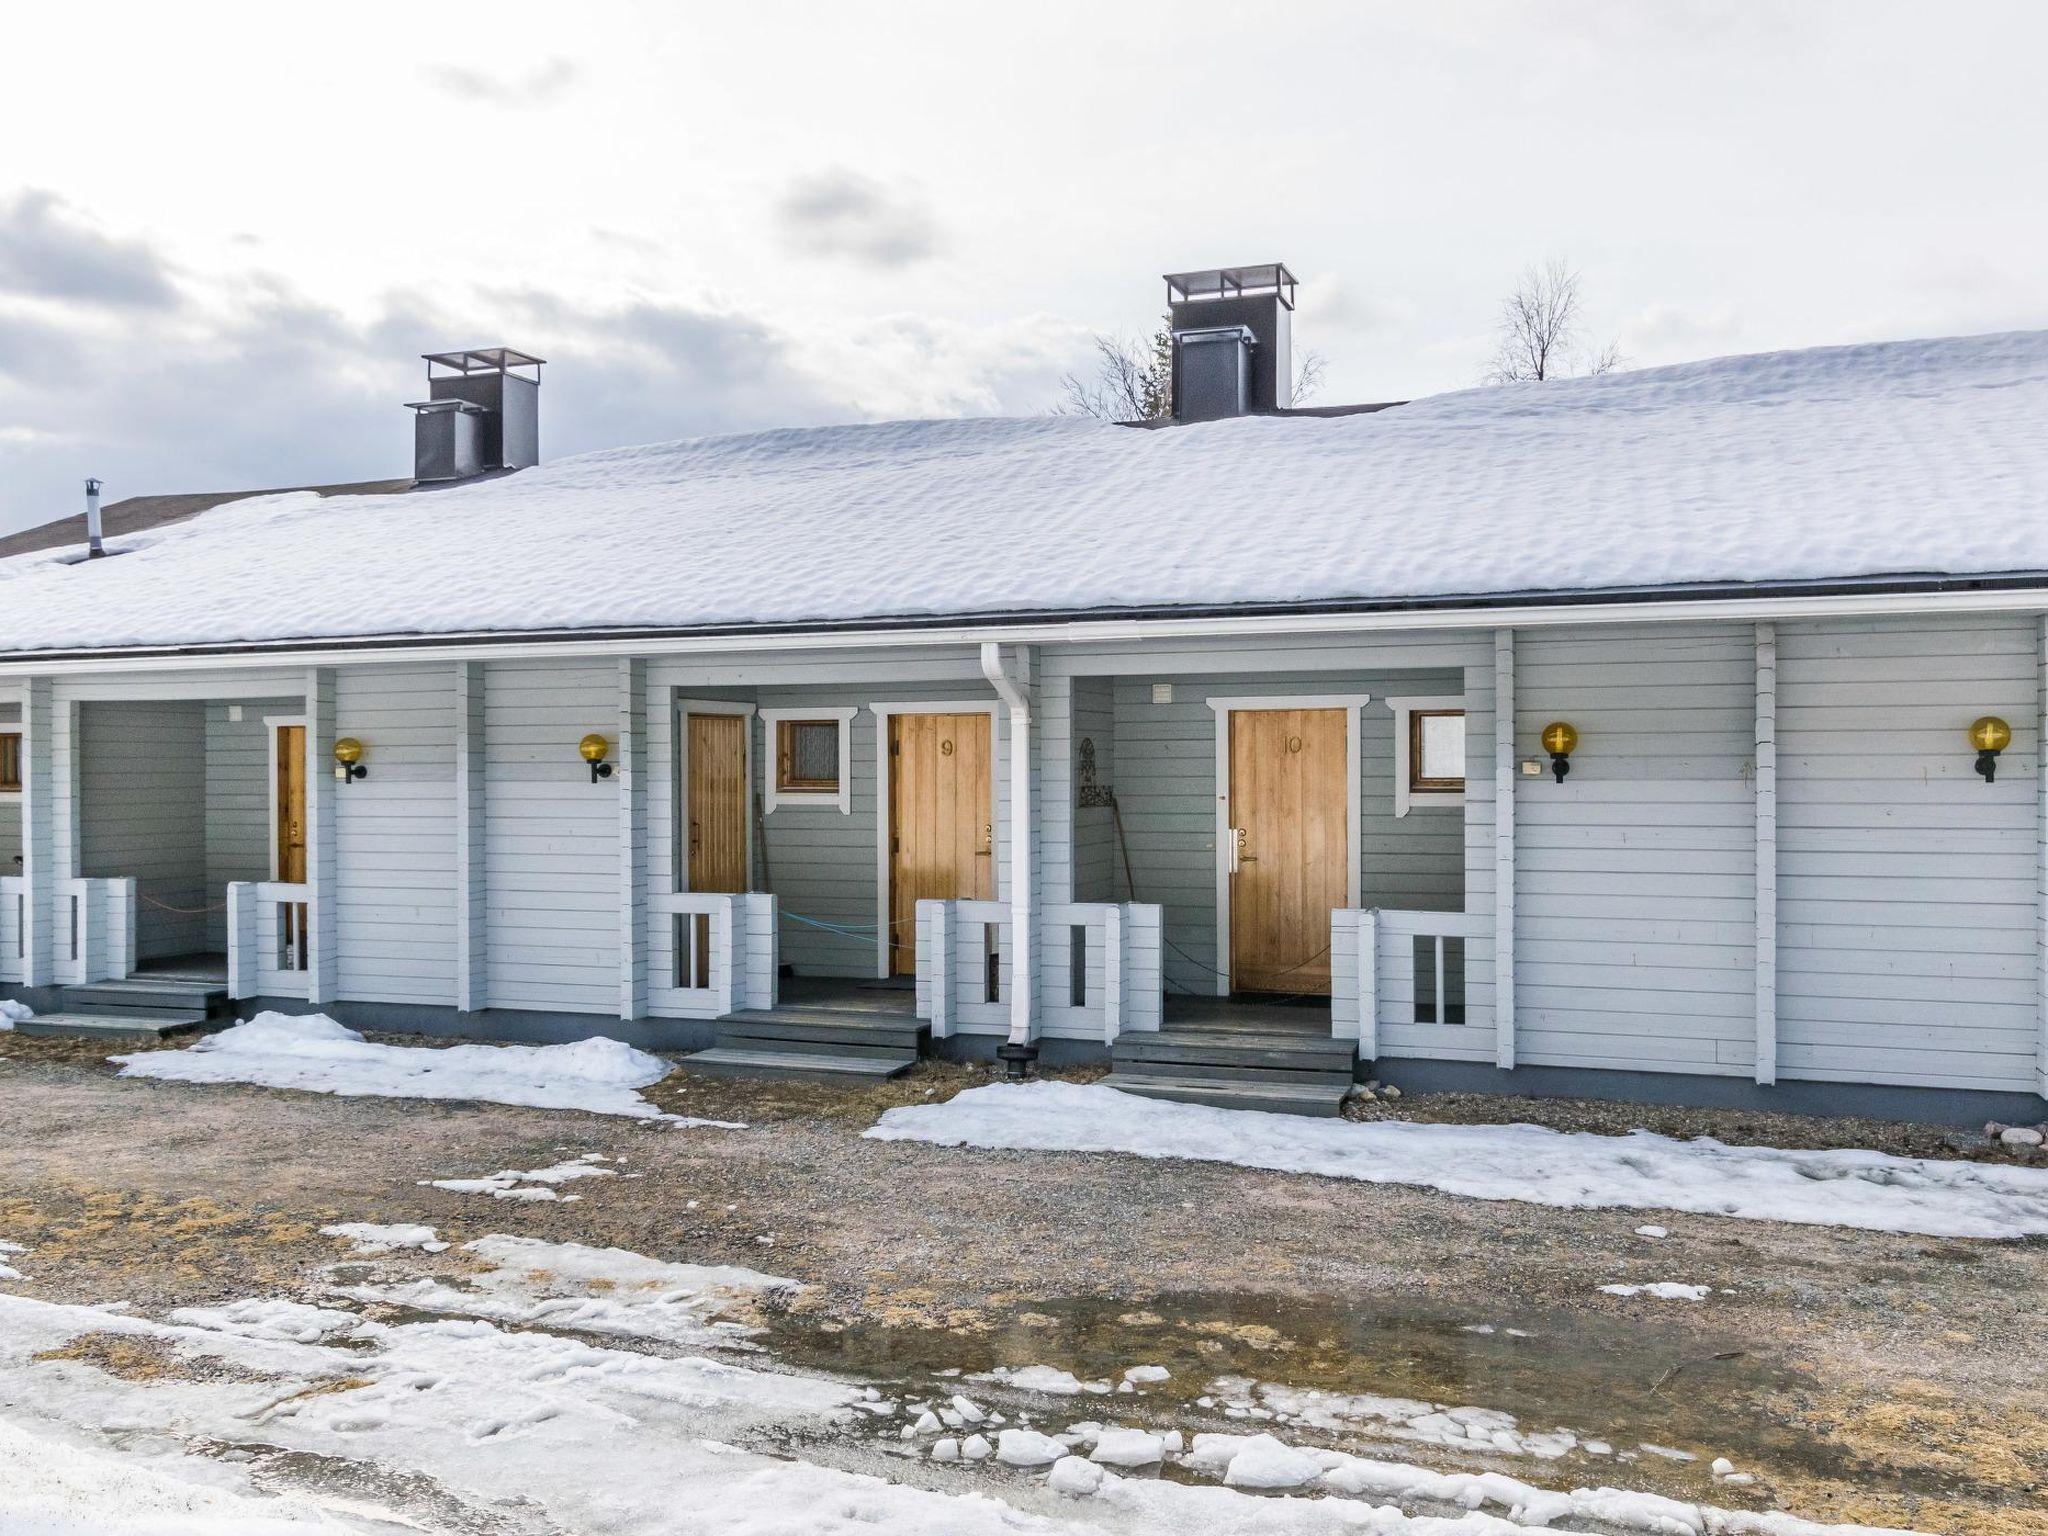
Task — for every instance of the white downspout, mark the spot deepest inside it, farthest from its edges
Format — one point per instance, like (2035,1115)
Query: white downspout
(1017,697)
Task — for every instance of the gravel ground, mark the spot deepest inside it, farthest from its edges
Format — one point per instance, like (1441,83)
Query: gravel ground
(1889,1379)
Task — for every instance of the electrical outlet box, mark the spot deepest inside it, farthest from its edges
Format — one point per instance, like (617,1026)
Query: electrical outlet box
(1532,767)
(1162,693)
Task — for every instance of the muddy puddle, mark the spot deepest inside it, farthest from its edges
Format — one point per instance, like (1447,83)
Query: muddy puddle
(1627,1384)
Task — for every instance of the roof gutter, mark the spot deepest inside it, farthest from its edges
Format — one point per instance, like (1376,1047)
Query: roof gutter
(2015,592)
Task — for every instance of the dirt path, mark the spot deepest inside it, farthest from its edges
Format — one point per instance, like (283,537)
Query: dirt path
(1890,1380)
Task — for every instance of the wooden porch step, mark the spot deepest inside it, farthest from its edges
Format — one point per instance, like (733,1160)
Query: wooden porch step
(117,1026)
(1233,1048)
(731,1061)
(147,995)
(1323,1100)
(818,1026)
(1231,1072)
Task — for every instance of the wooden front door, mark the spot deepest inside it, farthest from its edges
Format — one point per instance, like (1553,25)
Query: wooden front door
(941,825)
(1288,785)
(289,803)
(718,802)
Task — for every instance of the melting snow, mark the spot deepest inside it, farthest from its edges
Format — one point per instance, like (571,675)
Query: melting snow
(313,1053)
(1504,1162)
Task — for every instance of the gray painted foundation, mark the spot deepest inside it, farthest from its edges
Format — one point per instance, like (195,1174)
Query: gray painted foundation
(1931,1106)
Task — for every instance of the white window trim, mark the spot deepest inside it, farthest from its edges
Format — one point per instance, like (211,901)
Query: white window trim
(1406,799)
(1354,768)
(679,852)
(882,712)
(842,796)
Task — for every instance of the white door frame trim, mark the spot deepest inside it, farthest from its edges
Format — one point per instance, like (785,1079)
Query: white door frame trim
(271,726)
(1227,705)
(680,710)
(882,712)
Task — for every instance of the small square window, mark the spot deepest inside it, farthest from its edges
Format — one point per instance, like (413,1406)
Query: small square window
(807,756)
(10,761)
(1436,752)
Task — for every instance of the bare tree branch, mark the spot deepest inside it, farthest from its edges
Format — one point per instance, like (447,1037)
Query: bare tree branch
(1132,379)
(1541,333)
(1309,368)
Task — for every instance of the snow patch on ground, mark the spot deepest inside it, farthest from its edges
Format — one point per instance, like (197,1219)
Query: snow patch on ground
(1871,1190)
(51,1487)
(1662,1290)
(370,1237)
(531,1184)
(313,1053)
(8,1271)
(11,1012)
(1041,1378)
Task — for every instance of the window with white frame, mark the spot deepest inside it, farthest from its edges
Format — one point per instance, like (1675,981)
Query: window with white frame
(810,761)
(1429,753)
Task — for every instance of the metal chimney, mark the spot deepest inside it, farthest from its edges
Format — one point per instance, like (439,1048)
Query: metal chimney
(480,414)
(94,548)
(1233,350)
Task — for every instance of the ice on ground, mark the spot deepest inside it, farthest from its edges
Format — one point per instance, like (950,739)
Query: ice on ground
(1663,1290)
(1579,1169)
(11,1011)
(1028,1448)
(1784,466)
(584,1437)
(1653,1232)
(313,1053)
(610,1291)
(1041,1378)
(8,1271)
(1128,1448)
(1451,1426)
(370,1237)
(1141,1374)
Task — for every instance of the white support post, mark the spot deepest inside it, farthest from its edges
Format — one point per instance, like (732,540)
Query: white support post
(242,939)
(1112,931)
(1766,853)
(1011,679)
(471,934)
(323,969)
(2041,857)
(38,824)
(632,790)
(1504,847)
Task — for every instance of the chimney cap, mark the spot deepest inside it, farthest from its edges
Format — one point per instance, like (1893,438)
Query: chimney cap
(482,360)
(1232,283)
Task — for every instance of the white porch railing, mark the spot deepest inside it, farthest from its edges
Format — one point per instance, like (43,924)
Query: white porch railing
(13,928)
(714,953)
(269,923)
(1106,975)
(1103,978)
(95,930)
(1375,974)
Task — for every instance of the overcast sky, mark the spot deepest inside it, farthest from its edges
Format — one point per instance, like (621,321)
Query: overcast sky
(226,233)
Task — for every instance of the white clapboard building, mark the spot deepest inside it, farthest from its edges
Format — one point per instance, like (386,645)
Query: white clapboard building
(1669,734)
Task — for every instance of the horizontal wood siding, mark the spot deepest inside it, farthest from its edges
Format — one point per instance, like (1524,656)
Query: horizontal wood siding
(237,803)
(1907,903)
(1635,878)
(395,833)
(1098,867)
(1167,789)
(819,863)
(551,837)
(142,793)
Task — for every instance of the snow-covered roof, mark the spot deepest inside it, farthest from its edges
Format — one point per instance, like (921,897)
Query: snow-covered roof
(1923,457)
